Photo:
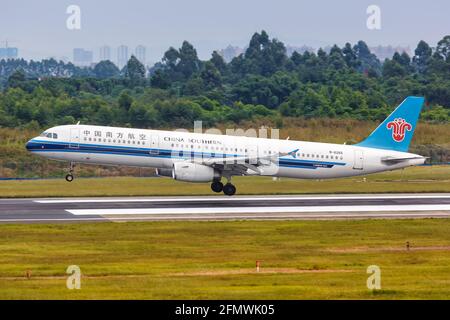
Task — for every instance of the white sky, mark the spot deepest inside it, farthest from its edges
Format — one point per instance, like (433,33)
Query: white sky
(38,28)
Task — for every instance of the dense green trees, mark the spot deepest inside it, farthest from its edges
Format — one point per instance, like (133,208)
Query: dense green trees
(348,82)
(106,69)
(135,72)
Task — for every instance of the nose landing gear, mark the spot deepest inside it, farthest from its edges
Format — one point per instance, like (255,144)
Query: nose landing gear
(69,176)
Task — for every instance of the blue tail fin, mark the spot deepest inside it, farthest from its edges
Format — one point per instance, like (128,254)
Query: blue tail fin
(395,133)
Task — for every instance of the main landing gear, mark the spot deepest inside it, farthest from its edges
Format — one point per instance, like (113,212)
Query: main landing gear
(217,186)
(69,176)
(228,189)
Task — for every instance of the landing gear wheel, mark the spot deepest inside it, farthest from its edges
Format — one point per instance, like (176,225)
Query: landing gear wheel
(69,178)
(217,186)
(229,189)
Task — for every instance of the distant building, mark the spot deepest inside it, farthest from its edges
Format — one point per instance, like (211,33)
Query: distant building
(105,53)
(230,52)
(386,52)
(9,53)
(82,57)
(122,56)
(141,54)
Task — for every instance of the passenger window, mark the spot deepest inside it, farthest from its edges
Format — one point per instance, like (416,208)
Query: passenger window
(55,136)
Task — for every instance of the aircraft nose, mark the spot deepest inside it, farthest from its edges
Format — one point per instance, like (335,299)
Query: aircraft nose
(28,145)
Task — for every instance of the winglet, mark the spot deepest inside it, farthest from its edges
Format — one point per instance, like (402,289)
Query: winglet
(293,153)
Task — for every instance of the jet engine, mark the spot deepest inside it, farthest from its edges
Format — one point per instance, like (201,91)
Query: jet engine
(193,172)
(164,172)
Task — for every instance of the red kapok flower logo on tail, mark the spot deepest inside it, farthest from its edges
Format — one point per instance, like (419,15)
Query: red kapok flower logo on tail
(399,126)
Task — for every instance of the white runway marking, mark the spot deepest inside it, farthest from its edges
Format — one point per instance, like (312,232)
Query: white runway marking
(243,216)
(237,210)
(223,198)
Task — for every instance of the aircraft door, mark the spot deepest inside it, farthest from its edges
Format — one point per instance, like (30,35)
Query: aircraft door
(230,150)
(358,163)
(154,144)
(74,142)
(252,153)
(263,153)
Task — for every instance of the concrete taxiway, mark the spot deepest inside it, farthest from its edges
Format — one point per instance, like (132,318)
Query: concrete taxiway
(225,208)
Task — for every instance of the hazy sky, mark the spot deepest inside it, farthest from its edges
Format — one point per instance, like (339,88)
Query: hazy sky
(38,28)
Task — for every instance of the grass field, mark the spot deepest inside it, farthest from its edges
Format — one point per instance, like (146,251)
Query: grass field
(216,260)
(415,179)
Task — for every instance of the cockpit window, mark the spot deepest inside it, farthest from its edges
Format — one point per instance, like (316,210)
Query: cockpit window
(49,135)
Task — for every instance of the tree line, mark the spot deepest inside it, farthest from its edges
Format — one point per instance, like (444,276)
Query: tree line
(262,83)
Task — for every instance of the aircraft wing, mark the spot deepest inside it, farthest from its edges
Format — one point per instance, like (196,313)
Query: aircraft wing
(240,165)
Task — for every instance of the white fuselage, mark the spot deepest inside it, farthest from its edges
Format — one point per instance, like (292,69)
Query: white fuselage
(161,149)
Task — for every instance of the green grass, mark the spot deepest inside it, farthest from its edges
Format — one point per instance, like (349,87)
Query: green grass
(216,260)
(415,179)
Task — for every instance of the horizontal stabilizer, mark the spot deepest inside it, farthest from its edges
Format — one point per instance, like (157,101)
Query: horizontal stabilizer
(397,160)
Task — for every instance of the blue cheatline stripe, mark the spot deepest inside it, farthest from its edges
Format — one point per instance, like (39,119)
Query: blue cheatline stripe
(56,146)
(281,163)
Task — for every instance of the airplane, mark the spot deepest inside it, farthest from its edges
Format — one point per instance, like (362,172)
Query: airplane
(197,157)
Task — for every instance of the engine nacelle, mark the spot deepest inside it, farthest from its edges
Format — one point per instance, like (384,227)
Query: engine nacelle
(164,172)
(193,172)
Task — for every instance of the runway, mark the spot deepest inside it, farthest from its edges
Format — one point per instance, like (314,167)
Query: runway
(389,206)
